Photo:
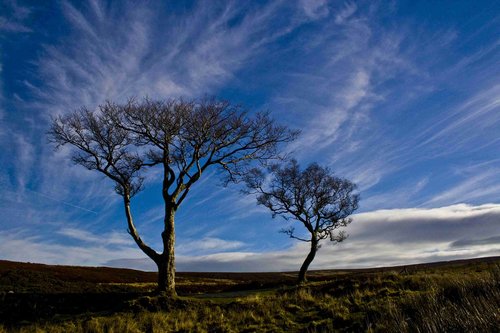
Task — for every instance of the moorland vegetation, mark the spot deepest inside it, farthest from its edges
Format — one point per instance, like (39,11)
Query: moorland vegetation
(462,296)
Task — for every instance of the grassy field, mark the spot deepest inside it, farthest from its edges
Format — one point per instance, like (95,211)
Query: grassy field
(461,296)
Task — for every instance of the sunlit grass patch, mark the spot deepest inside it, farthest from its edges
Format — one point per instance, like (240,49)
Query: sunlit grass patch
(456,299)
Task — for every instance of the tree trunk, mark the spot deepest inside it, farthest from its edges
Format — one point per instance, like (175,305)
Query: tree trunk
(162,275)
(309,259)
(166,263)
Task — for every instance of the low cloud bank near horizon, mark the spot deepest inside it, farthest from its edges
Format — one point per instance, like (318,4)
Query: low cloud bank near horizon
(378,238)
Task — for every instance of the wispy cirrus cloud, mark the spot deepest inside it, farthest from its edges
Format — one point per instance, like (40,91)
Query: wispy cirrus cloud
(334,97)
(401,196)
(2,128)
(354,100)
(113,238)
(315,9)
(344,13)
(13,18)
(473,187)
(7,25)
(466,122)
(106,59)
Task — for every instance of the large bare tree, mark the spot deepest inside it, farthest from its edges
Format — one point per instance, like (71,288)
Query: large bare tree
(313,197)
(184,138)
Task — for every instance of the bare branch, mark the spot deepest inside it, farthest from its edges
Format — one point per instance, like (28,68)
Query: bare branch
(290,232)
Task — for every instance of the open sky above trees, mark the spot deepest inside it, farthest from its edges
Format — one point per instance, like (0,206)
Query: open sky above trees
(401,97)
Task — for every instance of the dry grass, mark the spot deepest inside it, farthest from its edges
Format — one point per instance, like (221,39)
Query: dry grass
(456,299)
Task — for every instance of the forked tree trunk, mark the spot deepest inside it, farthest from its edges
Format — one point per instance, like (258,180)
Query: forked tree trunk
(309,259)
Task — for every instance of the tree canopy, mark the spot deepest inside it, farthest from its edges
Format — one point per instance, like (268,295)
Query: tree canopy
(183,137)
(313,197)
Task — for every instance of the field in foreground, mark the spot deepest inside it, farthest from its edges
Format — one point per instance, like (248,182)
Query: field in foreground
(460,296)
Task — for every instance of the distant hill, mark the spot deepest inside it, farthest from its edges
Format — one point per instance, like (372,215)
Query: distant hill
(78,273)
(459,295)
(32,277)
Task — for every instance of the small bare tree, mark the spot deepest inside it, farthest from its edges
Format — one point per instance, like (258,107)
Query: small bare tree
(184,138)
(313,197)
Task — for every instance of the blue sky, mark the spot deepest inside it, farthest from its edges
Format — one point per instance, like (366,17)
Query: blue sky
(402,97)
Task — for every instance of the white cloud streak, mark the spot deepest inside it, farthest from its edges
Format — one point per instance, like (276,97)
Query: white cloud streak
(350,63)
(315,9)
(476,186)
(18,247)
(13,21)
(207,245)
(380,238)
(113,238)
(467,121)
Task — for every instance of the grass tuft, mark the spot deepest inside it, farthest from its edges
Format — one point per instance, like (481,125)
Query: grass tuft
(448,299)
